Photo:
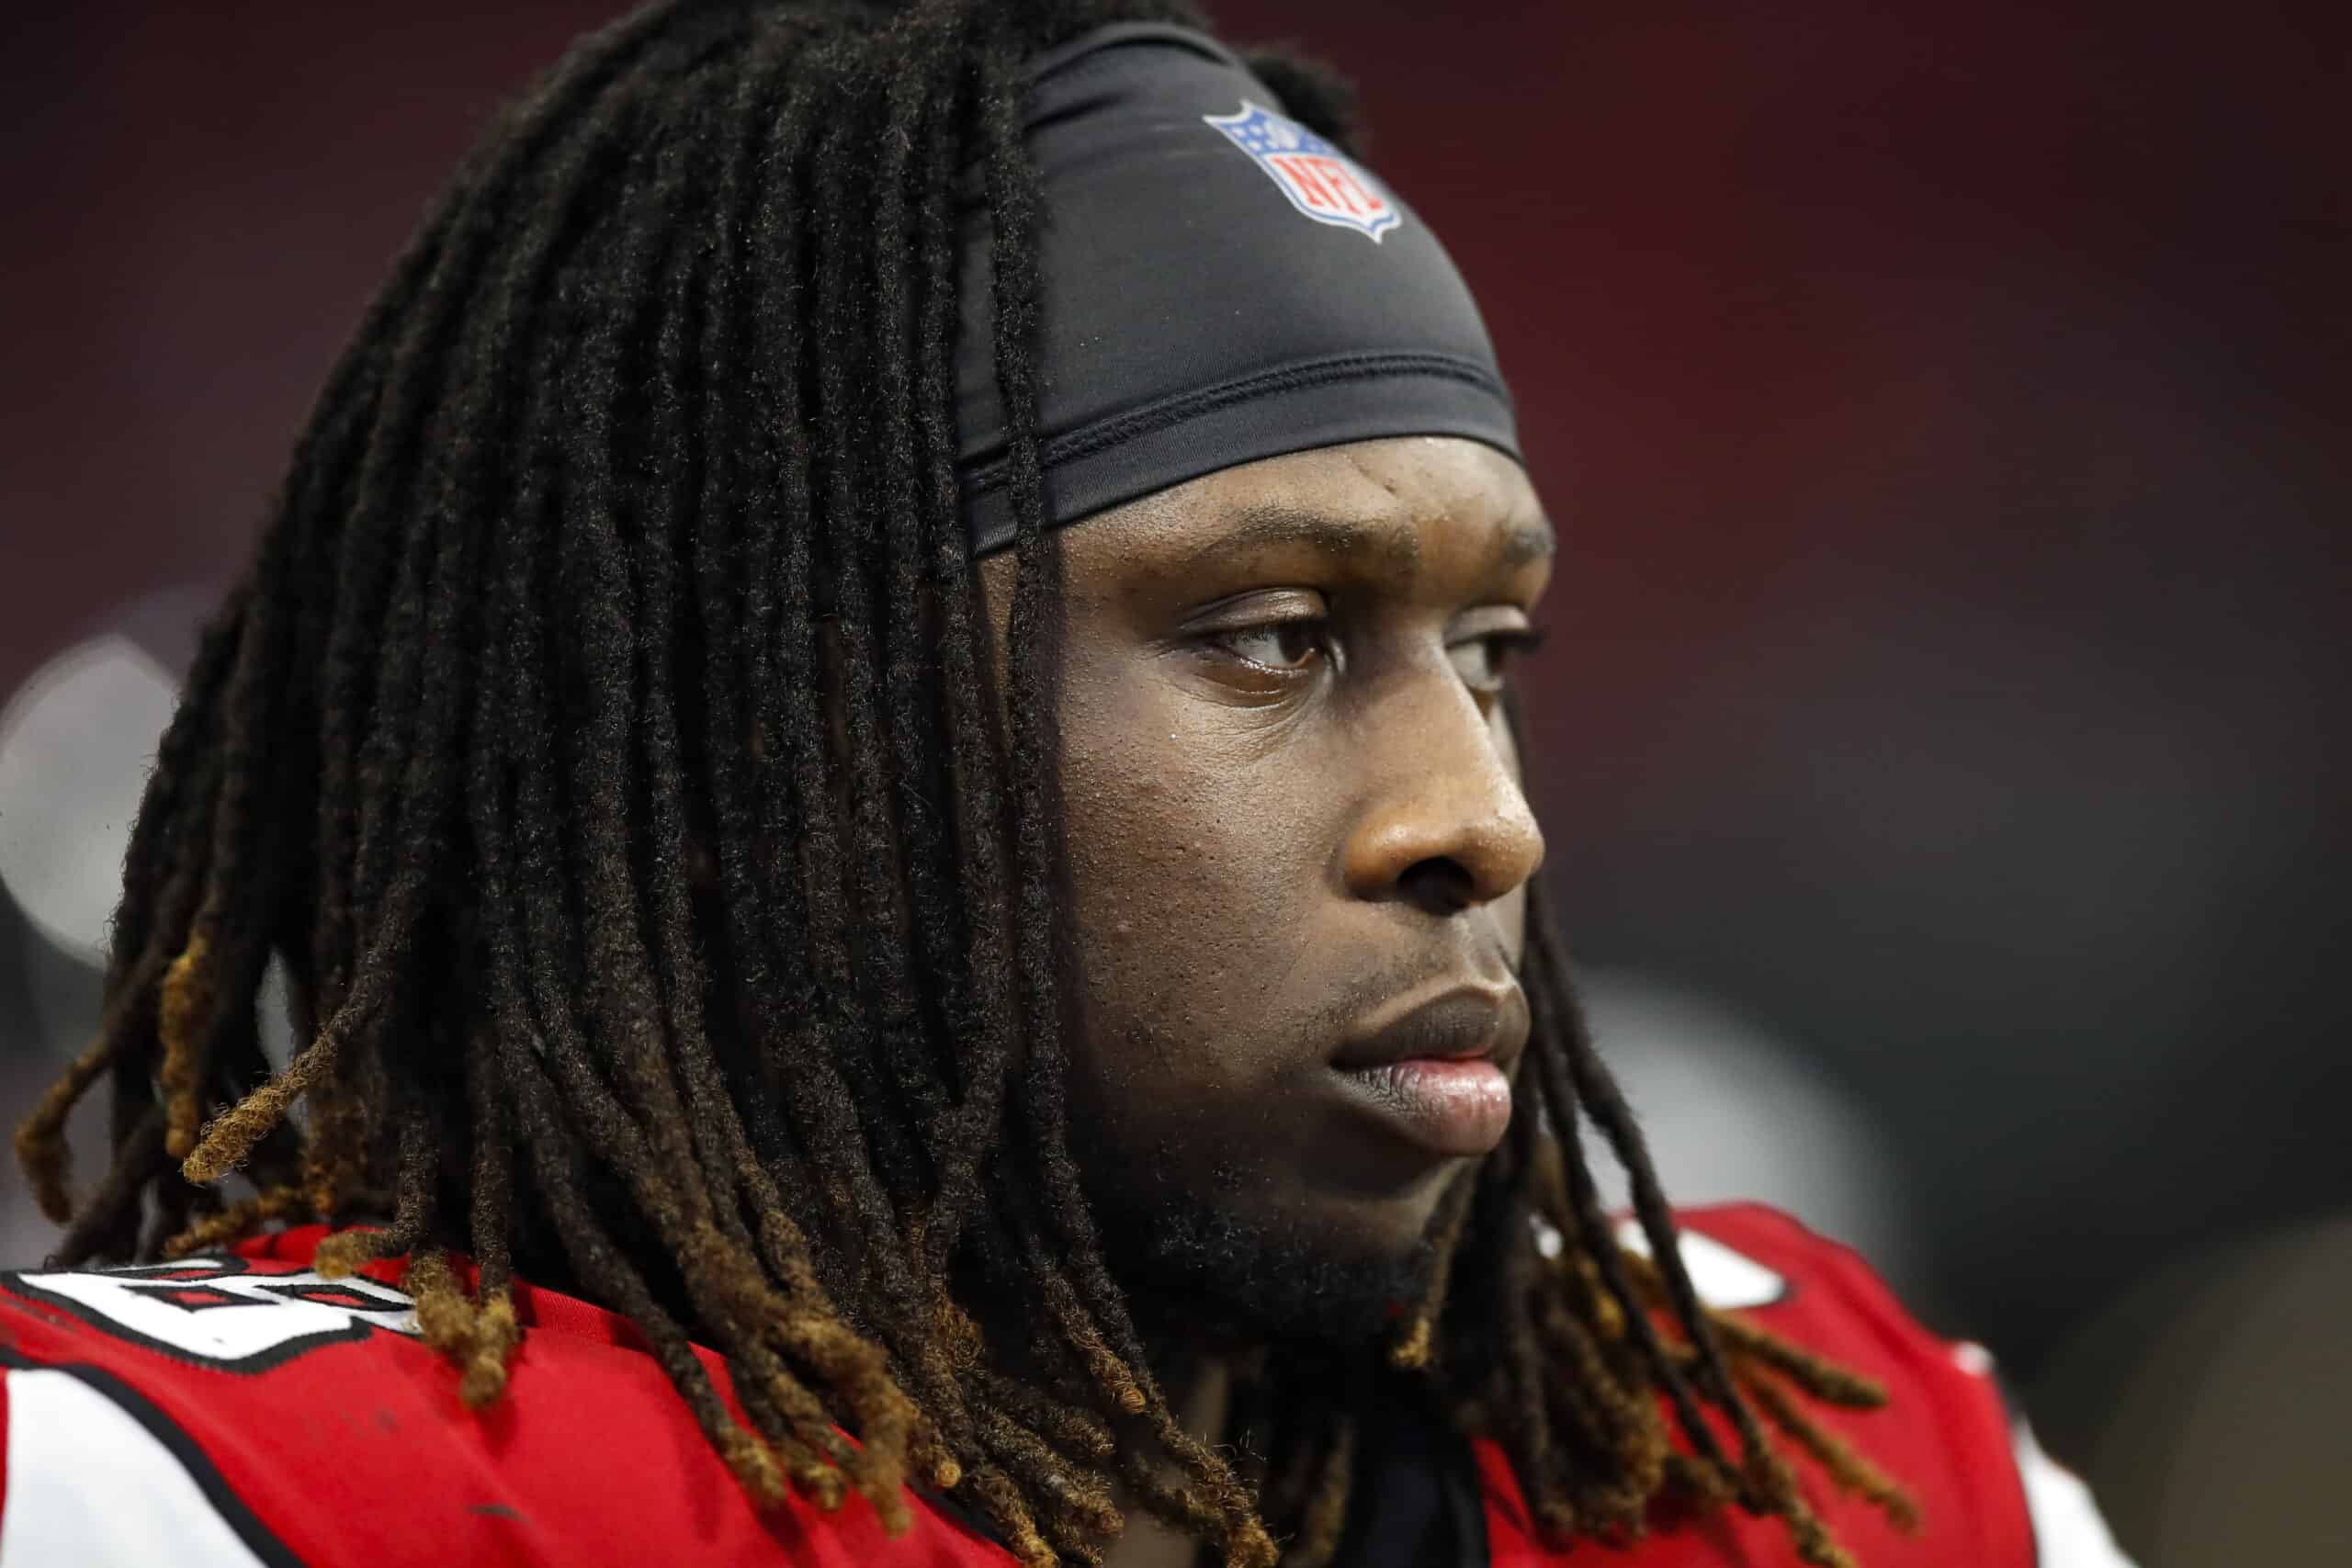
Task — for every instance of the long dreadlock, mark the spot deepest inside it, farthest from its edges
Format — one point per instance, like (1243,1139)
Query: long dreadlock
(612,655)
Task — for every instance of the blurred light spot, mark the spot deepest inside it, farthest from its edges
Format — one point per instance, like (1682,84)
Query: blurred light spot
(2213,1394)
(271,1007)
(1730,1113)
(76,742)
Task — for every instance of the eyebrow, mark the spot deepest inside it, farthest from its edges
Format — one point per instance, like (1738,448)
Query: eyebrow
(1273,524)
(1391,544)
(1530,541)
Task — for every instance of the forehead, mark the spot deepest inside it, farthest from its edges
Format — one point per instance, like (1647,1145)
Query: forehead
(1399,507)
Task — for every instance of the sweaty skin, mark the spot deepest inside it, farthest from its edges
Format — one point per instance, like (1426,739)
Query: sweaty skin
(1293,808)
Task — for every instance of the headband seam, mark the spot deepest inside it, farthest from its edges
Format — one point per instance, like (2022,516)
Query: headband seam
(1088,439)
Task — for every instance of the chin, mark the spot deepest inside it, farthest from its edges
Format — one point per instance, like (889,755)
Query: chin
(1374,1227)
(1330,1268)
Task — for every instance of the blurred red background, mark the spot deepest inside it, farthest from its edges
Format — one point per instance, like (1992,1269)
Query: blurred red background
(1944,408)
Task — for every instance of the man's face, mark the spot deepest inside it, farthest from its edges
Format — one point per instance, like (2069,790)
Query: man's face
(1300,851)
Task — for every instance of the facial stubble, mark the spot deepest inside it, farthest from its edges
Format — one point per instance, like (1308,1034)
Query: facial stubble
(1211,1262)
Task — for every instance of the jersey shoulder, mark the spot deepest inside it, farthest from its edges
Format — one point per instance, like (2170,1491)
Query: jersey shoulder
(239,1409)
(1945,1432)
(1784,1276)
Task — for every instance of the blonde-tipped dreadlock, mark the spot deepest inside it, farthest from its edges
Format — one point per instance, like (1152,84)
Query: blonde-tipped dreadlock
(624,537)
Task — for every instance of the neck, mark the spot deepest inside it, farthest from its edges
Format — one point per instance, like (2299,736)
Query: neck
(1199,1382)
(1200,1371)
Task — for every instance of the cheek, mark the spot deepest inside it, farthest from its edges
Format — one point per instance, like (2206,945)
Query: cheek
(1510,910)
(1510,917)
(1195,877)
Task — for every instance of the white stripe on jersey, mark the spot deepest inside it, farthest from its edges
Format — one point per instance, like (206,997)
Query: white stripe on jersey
(2067,1530)
(88,1485)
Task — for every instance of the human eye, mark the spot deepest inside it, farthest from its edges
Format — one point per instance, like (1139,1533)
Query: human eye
(1265,643)
(1288,645)
(1484,646)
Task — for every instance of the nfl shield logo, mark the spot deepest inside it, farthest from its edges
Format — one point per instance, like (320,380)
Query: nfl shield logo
(1318,178)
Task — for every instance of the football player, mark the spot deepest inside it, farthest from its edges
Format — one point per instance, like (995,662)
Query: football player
(874,731)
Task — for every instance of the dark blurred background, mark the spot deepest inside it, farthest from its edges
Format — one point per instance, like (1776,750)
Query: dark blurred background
(1941,739)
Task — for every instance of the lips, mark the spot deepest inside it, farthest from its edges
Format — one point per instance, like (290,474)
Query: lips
(1460,1022)
(1432,1069)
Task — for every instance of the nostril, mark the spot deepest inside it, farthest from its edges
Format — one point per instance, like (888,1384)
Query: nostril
(1438,885)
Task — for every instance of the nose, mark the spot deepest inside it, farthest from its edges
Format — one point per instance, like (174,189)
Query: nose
(1447,826)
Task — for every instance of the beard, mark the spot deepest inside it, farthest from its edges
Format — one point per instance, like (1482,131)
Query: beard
(1204,1264)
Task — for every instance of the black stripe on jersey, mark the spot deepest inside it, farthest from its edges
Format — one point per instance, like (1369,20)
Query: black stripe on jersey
(240,1519)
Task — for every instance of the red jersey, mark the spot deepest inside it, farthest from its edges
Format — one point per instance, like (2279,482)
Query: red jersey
(237,1410)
